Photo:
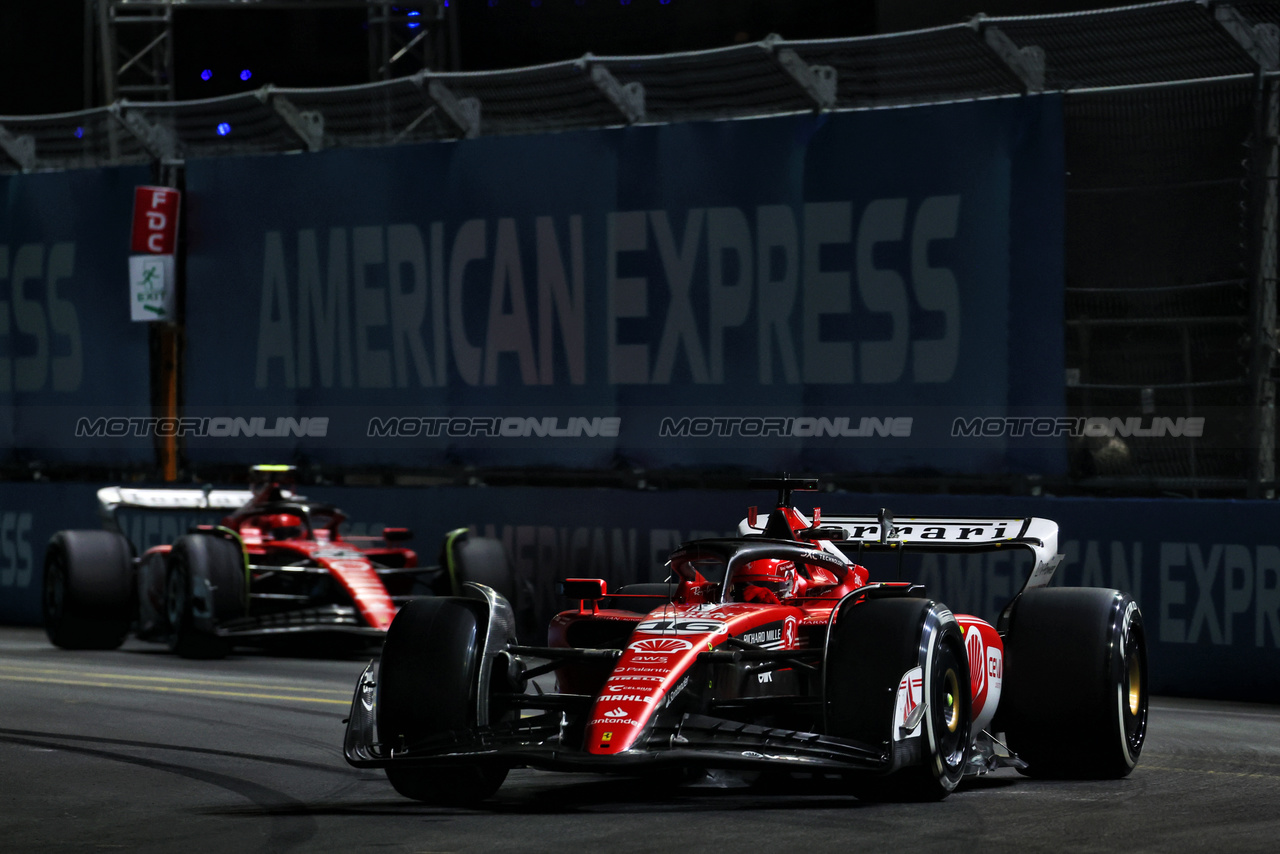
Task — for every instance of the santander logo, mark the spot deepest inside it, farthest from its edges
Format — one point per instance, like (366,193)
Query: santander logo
(660,645)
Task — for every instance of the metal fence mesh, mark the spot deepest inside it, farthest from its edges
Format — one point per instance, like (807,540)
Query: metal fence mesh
(904,68)
(1152,43)
(1158,297)
(1163,218)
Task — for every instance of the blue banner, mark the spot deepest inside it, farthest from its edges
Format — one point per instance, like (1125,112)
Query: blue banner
(31,513)
(68,350)
(1205,573)
(815,291)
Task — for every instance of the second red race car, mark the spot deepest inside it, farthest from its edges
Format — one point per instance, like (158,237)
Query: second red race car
(771,651)
(276,568)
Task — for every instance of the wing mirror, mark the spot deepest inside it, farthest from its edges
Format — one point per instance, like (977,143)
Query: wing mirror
(583,588)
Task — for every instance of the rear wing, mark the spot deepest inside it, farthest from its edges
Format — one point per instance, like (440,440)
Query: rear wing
(940,534)
(113,498)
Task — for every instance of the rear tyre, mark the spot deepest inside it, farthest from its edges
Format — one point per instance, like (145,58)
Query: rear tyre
(88,589)
(205,586)
(428,681)
(479,560)
(873,646)
(1075,686)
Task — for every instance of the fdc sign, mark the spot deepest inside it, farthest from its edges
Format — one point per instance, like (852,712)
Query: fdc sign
(151,272)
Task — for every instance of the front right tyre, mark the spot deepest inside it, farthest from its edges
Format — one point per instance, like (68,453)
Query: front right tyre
(88,589)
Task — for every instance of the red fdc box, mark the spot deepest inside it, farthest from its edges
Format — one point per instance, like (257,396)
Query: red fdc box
(155,220)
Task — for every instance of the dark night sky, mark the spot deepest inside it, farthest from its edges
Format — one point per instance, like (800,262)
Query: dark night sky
(43,56)
(40,56)
(43,42)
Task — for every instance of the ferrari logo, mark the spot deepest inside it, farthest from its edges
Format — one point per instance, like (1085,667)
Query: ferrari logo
(605,739)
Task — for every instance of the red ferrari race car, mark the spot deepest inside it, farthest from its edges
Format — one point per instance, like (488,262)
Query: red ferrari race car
(277,567)
(771,651)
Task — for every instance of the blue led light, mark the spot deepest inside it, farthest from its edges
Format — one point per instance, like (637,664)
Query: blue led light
(246,74)
(206,74)
(224,129)
(535,3)
(79,133)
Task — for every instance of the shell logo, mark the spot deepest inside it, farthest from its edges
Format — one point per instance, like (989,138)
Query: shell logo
(977,650)
(660,645)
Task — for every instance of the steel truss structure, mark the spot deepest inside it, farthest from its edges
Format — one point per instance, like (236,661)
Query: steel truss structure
(136,39)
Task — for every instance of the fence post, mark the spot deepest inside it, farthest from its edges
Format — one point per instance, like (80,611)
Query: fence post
(1265,170)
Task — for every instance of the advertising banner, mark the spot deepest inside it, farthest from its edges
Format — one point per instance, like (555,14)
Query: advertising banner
(829,290)
(1205,573)
(30,513)
(67,348)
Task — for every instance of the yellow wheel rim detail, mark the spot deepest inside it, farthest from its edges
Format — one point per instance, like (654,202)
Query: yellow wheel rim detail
(1135,685)
(952,710)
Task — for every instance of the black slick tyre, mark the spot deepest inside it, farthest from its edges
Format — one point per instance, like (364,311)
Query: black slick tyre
(1075,689)
(480,560)
(428,680)
(205,585)
(88,589)
(872,645)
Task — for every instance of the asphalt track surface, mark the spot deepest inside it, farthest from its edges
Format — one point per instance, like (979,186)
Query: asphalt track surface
(138,750)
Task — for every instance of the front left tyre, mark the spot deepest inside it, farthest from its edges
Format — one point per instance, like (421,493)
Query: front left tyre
(428,685)
(206,585)
(885,658)
(88,589)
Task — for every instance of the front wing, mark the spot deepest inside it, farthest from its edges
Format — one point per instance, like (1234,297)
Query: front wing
(539,741)
(336,619)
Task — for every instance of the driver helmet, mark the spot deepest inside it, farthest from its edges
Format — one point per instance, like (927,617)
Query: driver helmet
(768,580)
(282,525)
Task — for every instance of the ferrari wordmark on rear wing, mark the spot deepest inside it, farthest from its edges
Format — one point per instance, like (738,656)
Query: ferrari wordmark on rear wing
(883,533)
